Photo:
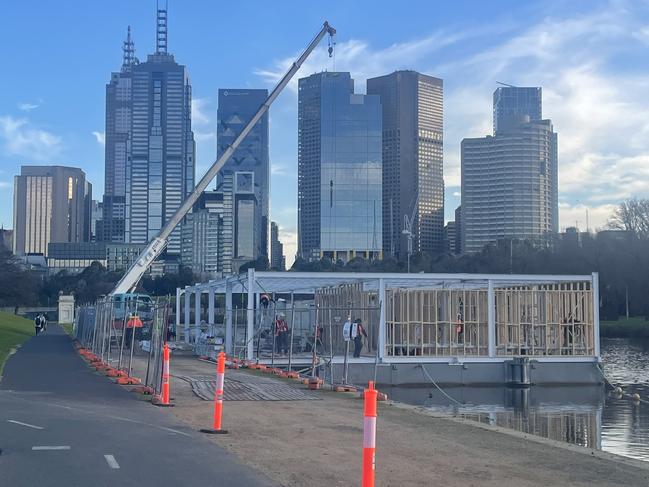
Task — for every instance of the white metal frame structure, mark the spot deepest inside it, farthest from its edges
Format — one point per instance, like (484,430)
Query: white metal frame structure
(253,284)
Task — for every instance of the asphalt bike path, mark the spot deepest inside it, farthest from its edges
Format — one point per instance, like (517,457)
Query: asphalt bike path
(61,424)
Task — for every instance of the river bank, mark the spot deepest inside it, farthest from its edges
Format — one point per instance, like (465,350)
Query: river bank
(625,328)
(318,442)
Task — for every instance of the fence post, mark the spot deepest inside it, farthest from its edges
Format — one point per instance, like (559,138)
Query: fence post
(218,397)
(369,435)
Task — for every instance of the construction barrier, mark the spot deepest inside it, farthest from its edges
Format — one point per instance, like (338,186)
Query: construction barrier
(218,397)
(369,436)
(164,399)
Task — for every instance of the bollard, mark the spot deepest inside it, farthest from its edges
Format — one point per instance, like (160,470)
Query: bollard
(369,436)
(164,399)
(218,397)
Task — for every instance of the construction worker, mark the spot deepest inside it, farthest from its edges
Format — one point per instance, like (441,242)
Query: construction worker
(358,332)
(281,333)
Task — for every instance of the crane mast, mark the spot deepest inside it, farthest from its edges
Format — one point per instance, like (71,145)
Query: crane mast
(155,247)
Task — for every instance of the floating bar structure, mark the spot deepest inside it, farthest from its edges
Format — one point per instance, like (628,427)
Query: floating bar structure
(453,329)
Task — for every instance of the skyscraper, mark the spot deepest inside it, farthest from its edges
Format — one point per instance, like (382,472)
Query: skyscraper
(510,180)
(51,204)
(160,169)
(246,175)
(339,169)
(413,145)
(117,149)
(511,103)
(203,236)
(277,261)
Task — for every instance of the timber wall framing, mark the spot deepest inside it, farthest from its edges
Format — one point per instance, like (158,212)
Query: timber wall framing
(533,320)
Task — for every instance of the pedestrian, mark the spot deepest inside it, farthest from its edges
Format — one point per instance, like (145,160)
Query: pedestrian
(44,322)
(358,332)
(281,334)
(38,324)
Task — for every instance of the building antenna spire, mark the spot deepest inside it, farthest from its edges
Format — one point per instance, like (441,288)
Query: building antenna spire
(161,29)
(128,52)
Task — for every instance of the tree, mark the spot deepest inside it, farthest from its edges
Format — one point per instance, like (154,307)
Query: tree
(632,216)
(18,286)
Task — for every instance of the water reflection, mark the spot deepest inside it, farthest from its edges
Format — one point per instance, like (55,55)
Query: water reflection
(586,416)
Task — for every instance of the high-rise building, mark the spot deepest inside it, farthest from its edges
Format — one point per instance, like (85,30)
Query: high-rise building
(246,175)
(51,204)
(510,179)
(96,215)
(413,147)
(119,105)
(458,230)
(339,169)
(512,103)
(160,165)
(277,260)
(203,236)
(450,233)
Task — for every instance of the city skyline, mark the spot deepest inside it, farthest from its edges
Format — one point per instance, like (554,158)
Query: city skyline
(591,90)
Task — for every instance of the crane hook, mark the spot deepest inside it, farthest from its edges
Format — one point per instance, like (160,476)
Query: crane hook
(331,43)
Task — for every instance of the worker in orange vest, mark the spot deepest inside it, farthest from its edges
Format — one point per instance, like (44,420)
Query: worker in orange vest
(281,333)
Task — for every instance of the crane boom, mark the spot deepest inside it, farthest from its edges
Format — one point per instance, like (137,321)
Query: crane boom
(159,242)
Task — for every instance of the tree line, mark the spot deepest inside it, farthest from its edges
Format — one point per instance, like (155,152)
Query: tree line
(621,258)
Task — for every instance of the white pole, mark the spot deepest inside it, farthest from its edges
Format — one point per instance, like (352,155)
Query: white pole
(210,306)
(595,285)
(197,314)
(187,303)
(228,317)
(179,293)
(382,303)
(491,319)
(250,318)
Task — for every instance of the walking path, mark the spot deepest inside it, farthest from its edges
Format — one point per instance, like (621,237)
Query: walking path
(62,424)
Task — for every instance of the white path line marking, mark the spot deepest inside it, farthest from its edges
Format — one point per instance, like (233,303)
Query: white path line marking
(60,447)
(112,463)
(25,424)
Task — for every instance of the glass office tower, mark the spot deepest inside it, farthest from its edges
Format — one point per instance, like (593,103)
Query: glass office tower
(510,180)
(512,103)
(413,156)
(246,175)
(160,171)
(117,146)
(339,169)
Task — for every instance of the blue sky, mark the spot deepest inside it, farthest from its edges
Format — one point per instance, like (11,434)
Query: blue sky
(590,57)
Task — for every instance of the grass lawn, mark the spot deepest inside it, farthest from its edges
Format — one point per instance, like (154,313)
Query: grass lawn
(68,328)
(623,328)
(14,330)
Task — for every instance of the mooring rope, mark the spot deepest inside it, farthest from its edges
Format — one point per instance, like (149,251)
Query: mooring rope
(438,387)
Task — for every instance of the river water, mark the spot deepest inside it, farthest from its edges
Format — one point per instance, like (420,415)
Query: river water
(587,416)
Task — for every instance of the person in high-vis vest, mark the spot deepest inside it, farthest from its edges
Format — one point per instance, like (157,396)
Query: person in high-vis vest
(357,333)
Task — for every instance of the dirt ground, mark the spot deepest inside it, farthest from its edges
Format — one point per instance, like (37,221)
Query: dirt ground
(319,443)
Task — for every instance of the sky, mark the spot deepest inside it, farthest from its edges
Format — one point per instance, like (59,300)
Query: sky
(590,57)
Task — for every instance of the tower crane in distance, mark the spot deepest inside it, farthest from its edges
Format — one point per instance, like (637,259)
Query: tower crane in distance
(154,248)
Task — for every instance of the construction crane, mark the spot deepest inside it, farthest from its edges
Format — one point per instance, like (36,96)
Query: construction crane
(407,227)
(155,247)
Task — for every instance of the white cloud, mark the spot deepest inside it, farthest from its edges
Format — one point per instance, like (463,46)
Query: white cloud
(204,136)
(282,170)
(5,184)
(100,137)
(200,113)
(597,108)
(20,138)
(364,61)
(584,217)
(28,107)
